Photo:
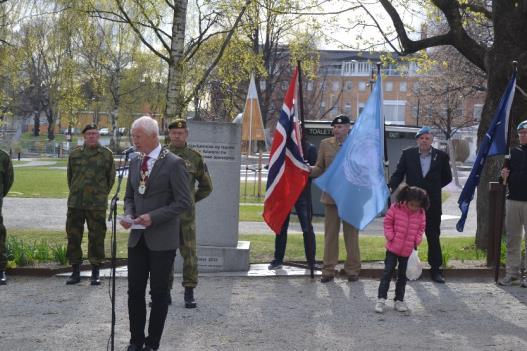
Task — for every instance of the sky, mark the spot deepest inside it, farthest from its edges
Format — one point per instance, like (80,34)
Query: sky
(344,31)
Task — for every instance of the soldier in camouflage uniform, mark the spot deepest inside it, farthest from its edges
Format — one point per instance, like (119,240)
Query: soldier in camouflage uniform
(91,174)
(197,173)
(6,180)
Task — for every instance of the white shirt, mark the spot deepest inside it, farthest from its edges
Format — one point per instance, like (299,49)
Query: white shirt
(153,156)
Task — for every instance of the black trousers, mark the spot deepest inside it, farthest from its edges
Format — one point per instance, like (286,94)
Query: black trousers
(303,211)
(142,264)
(432,231)
(390,262)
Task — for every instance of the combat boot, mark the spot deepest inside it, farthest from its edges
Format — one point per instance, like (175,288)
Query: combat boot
(95,276)
(3,278)
(189,298)
(75,276)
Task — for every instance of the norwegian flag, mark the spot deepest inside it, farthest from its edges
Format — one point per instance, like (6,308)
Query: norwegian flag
(288,173)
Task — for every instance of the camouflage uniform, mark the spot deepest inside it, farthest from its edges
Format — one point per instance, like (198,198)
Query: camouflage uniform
(6,180)
(91,174)
(197,171)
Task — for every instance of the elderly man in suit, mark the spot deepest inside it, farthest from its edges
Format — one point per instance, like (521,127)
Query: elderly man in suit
(429,169)
(157,193)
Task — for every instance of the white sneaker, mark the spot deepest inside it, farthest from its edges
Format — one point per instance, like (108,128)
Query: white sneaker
(508,280)
(379,306)
(400,306)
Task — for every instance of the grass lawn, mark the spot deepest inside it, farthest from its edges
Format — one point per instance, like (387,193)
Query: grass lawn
(45,182)
(262,246)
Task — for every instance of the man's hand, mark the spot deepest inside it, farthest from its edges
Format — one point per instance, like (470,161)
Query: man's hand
(125,224)
(144,220)
(126,221)
(505,174)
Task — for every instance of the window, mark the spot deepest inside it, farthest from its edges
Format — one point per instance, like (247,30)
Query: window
(388,86)
(354,68)
(403,87)
(262,85)
(349,85)
(322,107)
(309,86)
(284,86)
(394,111)
(360,107)
(347,108)
(362,85)
(478,109)
(335,85)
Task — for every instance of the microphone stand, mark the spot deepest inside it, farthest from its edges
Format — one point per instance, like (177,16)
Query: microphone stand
(113,218)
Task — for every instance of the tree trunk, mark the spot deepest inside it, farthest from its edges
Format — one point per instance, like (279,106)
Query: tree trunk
(51,123)
(175,107)
(509,44)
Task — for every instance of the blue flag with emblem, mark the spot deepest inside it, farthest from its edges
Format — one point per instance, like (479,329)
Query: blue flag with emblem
(355,178)
(493,143)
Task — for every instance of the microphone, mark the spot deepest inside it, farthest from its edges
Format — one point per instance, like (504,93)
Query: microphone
(130,150)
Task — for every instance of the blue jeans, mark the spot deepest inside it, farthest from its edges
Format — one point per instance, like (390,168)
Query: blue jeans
(303,211)
(389,267)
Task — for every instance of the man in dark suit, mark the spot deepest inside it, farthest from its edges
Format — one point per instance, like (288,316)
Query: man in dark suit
(429,169)
(157,192)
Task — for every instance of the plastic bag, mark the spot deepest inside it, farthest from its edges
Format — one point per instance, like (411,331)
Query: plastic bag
(414,267)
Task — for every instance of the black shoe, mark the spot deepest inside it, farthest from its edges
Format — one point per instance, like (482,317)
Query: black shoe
(75,276)
(95,276)
(189,298)
(3,278)
(353,278)
(438,278)
(133,347)
(326,278)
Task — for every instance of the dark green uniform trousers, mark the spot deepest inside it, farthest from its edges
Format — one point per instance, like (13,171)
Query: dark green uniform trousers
(96,222)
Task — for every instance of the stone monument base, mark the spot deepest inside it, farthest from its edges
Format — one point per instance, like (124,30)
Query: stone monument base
(220,259)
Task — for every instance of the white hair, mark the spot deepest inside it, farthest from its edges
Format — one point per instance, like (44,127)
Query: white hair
(148,124)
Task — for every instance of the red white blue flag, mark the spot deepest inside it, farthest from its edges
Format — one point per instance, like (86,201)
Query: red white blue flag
(288,173)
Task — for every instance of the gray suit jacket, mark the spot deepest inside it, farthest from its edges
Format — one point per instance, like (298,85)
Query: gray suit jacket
(167,196)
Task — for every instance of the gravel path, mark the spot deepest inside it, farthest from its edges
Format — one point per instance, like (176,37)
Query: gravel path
(271,314)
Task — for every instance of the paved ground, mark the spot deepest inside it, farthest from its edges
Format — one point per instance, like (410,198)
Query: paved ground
(240,313)
(50,214)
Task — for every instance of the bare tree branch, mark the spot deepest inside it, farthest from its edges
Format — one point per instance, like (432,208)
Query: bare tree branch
(139,34)
(220,54)
(477,8)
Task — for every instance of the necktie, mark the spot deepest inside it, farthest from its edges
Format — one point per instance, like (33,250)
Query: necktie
(144,168)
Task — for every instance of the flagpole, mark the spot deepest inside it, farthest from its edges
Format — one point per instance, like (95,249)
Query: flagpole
(310,244)
(506,164)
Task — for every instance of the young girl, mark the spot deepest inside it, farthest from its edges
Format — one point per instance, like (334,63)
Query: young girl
(404,225)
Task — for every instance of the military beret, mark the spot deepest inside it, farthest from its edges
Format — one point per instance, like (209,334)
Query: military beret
(424,130)
(340,119)
(522,125)
(89,127)
(178,124)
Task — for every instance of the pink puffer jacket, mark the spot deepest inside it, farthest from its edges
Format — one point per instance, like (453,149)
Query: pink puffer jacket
(403,229)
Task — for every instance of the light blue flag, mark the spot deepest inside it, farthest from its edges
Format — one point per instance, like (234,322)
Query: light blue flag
(355,178)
